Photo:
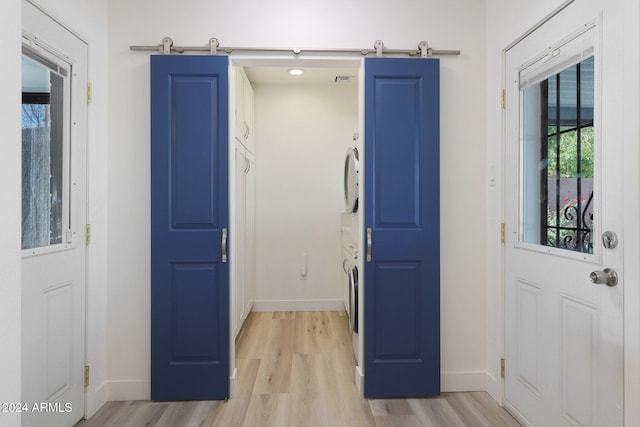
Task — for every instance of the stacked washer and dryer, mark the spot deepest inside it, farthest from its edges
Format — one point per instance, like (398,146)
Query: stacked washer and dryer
(350,239)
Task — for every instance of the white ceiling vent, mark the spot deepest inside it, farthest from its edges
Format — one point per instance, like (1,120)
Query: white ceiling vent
(343,79)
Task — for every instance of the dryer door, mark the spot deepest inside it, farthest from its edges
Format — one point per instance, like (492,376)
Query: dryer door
(353,299)
(351,180)
(346,286)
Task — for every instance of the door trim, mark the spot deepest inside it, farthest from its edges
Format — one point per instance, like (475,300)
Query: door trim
(631,220)
(535,27)
(257,60)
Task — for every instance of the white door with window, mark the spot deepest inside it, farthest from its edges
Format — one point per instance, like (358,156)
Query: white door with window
(54,111)
(564,140)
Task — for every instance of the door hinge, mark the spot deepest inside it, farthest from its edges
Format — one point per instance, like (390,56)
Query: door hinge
(89,93)
(502,368)
(87,234)
(503,233)
(86,376)
(503,98)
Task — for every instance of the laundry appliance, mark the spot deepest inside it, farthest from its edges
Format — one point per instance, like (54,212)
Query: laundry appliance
(350,238)
(351,179)
(350,281)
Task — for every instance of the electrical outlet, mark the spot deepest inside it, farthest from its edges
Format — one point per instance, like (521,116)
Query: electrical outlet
(303,266)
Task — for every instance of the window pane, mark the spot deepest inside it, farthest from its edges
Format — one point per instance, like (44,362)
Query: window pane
(558,156)
(42,155)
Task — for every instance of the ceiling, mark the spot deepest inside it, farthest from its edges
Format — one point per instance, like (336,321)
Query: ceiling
(312,75)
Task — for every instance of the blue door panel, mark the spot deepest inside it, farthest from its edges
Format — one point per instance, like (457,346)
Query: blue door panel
(402,280)
(397,165)
(189,209)
(193,157)
(397,302)
(192,300)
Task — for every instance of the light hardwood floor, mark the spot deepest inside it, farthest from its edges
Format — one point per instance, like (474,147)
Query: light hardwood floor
(297,369)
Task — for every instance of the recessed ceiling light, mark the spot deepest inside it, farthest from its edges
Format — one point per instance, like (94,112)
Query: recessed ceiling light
(295,71)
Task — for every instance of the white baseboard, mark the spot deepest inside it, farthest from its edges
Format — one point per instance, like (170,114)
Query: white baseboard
(233,381)
(96,398)
(494,388)
(141,390)
(359,379)
(129,390)
(463,381)
(449,381)
(298,305)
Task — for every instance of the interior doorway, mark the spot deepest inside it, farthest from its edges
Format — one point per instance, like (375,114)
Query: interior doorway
(301,127)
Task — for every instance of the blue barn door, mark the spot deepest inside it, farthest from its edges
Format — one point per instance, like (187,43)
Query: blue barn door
(402,228)
(189,219)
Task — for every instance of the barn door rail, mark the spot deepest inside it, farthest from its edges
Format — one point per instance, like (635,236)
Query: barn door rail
(214,48)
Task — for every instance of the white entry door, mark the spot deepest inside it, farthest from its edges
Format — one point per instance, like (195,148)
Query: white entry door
(54,111)
(564,139)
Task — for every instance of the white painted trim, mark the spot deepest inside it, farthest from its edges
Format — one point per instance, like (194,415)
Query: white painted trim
(631,209)
(494,387)
(10,171)
(96,398)
(298,305)
(129,390)
(231,181)
(540,23)
(57,21)
(464,381)
(233,382)
(359,379)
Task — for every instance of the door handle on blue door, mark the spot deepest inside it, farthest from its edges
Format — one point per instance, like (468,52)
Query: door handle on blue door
(369,243)
(224,245)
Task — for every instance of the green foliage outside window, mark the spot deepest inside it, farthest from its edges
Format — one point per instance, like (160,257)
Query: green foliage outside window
(566,218)
(569,152)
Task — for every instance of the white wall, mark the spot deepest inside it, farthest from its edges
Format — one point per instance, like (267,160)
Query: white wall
(302,134)
(10,195)
(506,21)
(457,24)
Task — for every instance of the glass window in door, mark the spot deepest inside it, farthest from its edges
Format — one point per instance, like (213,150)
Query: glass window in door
(558,157)
(44,182)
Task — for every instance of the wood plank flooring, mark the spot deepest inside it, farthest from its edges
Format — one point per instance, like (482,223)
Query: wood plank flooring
(297,369)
